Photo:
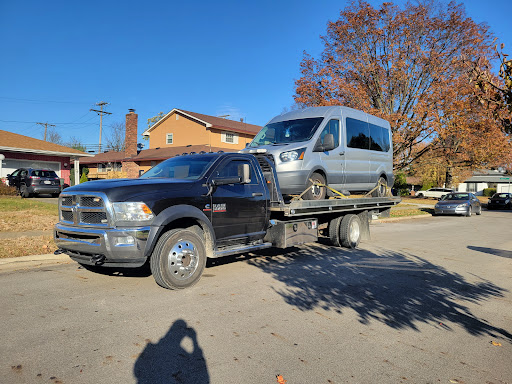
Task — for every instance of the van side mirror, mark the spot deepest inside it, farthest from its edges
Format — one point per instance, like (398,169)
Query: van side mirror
(326,145)
(329,142)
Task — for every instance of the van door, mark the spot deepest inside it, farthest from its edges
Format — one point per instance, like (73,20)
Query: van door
(357,144)
(332,160)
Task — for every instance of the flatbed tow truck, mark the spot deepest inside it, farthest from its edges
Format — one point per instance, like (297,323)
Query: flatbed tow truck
(190,208)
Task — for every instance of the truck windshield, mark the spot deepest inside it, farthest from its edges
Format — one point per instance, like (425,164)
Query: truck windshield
(190,167)
(289,131)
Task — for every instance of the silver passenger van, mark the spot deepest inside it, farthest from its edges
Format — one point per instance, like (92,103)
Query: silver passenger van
(347,149)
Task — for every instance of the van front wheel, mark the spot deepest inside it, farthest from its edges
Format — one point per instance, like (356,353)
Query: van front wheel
(315,192)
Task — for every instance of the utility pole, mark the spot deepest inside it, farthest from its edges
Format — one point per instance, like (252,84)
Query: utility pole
(101,112)
(46,125)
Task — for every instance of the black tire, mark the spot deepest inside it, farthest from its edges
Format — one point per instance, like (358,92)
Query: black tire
(382,188)
(479,212)
(350,231)
(24,192)
(420,195)
(334,231)
(469,212)
(316,193)
(178,259)
(55,194)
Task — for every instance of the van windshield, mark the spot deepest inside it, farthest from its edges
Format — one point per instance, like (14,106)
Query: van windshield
(289,131)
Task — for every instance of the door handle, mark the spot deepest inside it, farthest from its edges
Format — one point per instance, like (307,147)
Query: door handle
(257,194)
(342,153)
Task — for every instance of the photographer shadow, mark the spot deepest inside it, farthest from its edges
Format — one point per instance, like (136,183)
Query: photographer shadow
(176,358)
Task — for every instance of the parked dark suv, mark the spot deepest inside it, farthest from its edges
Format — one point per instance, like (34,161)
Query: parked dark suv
(30,182)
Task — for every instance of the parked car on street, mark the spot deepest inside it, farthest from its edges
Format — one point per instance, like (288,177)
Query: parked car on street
(500,201)
(458,203)
(30,182)
(436,193)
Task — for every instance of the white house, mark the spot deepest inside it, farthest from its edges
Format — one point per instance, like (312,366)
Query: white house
(486,179)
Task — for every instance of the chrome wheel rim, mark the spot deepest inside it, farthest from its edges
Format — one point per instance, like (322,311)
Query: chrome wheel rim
(183,260)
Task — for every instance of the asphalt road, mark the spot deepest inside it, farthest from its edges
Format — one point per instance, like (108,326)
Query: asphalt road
(426,301)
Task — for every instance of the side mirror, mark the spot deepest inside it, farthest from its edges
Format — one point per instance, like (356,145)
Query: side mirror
(329,142)
(226,181)
(326,145)
(246,175)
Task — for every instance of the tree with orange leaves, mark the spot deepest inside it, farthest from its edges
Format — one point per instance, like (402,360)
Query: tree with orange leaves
(405,66)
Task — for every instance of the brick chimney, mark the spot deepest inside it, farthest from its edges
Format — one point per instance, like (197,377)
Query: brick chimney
(130,140)
(130,168)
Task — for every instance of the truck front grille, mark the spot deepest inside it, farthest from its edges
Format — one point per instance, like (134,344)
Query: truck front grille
(84,209)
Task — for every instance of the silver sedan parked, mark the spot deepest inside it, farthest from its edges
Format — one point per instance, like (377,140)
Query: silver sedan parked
(458,203)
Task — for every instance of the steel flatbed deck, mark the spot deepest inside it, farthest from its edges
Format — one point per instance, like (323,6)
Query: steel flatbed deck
(309,207)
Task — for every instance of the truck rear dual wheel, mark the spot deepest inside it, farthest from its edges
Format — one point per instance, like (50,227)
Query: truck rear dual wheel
(345,231)
(178,259)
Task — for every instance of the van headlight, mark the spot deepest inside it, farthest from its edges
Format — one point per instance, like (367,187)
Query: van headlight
(132,211)
(296,154)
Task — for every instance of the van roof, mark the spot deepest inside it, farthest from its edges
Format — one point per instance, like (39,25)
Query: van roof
(322,112)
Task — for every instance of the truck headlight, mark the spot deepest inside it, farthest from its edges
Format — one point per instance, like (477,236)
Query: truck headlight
(296,154)
(132,211)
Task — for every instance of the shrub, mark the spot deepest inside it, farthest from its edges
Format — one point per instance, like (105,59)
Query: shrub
(83,178)
(427,185)
(489,192)
(7,191)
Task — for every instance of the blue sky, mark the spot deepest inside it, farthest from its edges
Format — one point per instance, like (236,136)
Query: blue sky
(59,58)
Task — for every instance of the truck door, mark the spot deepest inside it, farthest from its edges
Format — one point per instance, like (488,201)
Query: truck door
(238,210)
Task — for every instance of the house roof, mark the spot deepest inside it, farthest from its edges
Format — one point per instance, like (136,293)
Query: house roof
(104,157)
(158,154)
(210,122)
(500,178)
(15,142)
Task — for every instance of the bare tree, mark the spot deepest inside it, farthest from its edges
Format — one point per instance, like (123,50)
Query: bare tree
(53,136)
(115,137)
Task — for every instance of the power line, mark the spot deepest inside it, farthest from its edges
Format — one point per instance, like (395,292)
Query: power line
(35,122)
(41,101)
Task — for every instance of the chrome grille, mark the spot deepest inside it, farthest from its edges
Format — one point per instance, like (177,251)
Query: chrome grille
(91,201)
(67,215)
(67,200)
(93,217)
(84,209)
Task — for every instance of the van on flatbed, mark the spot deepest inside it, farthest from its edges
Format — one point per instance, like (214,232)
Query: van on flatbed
(190,208)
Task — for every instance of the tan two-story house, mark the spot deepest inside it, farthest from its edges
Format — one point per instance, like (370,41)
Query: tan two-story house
(182,131)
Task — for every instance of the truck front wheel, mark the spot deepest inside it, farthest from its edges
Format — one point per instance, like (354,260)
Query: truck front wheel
(178,259)
(350,231)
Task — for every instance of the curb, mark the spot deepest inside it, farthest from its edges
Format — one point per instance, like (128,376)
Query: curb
(24,262)
(393,219)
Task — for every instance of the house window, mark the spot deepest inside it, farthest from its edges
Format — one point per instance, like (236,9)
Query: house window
(229,137)
(471,187)
(101,167)
(169,138)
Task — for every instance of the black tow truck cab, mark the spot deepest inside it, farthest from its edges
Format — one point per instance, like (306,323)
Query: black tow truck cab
(193,207)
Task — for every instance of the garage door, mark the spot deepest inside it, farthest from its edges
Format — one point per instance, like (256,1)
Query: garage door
(10,165)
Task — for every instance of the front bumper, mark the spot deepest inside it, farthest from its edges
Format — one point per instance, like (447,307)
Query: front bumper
(451,210)
(121,247)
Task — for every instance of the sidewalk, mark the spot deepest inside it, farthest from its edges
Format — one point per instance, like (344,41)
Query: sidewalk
(35,261)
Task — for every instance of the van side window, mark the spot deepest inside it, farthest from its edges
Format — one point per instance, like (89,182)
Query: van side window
(333,126)
(379,138)
(357,134)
